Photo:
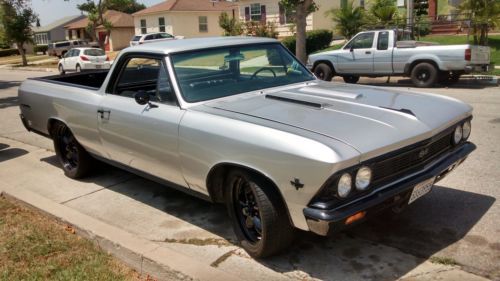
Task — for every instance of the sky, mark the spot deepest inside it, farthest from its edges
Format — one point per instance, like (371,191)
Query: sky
(52,10)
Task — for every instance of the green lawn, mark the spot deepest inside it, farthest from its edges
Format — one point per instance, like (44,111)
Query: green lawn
(17,59)
(33,247)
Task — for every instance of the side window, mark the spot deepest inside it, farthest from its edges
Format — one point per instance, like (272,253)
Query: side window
(149,37)
(383,40)
(75,53)
(145,74)
(364,41)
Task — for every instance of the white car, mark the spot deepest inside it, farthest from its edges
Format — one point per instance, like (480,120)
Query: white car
(153,37)
(80,59)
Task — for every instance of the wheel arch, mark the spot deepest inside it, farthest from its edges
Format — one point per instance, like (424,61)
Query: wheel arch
(325,61)
(409,67)
(216,178)
(52,121)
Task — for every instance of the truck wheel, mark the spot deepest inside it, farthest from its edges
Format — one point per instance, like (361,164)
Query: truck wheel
(424,75)
(75,161)
(61,69)
(351,79)
(323,72)
(78,68)
(258,214)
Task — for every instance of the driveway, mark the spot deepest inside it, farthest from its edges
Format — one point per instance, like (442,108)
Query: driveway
(456,223)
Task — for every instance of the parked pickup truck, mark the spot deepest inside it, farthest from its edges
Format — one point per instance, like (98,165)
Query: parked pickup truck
(241,121)
(378,53)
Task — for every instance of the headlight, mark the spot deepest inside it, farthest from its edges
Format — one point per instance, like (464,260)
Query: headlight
(457,135)
(466,129)
(363,178)
(344,186)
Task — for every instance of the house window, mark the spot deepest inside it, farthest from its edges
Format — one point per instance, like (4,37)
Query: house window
(286,15)
(203,24)
(161,24)
(255,12)
(144,29)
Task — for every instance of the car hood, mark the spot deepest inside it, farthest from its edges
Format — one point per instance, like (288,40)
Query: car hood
(367,118)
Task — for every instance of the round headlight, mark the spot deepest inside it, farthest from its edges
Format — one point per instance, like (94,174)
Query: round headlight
(345,185)
(363,178)
(457,135)
(466,129)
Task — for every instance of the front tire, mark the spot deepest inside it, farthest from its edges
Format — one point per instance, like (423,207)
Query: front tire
(78,68)
(351,79)
(323,72)
(75,161)
(424,75)
(258,214)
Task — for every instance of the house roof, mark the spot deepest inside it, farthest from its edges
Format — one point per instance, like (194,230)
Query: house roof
(57,23)
(117,19)
(187,6)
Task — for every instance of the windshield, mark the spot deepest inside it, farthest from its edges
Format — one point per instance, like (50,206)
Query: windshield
(210,74)
(94,52)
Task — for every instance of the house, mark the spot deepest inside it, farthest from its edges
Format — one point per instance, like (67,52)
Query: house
(54,31)
(118,38)
(270,11)
(188,18)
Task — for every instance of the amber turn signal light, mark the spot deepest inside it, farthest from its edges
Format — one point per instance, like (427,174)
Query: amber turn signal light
(355,217)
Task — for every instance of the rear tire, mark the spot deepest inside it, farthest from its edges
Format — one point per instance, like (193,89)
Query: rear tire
(75,161)
(323,72)
(258,214)
(424,75)
(61,69)
(351,79)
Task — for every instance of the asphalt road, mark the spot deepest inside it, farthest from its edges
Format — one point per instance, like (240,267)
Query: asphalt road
(458,220)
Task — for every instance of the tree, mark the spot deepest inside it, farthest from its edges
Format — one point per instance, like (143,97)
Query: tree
(302,9)
(95,14)
(484,15)
(231,26)
(384,12)
(125,6)
(349,20)
(420,8)
(17,18)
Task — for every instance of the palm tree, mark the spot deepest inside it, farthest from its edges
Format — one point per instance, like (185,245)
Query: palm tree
(484,15)
(349,20)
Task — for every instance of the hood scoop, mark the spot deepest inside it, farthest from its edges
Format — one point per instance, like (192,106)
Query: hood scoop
(403,110)
(296,101)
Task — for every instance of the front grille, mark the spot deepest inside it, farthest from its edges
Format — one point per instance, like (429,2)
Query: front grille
(411,160)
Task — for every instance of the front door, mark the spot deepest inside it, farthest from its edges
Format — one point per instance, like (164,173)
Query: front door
(144,137)
(357,56)
(103,37)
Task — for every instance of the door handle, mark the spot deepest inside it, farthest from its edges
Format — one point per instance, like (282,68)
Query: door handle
(104,114)
(368,52)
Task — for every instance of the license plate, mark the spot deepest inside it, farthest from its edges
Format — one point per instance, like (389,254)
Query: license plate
(421,189)
(98,66)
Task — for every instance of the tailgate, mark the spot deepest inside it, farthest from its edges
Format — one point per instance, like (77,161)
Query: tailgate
(480,55)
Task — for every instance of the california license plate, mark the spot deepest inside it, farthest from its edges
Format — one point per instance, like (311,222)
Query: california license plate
(421,189)
(98,66)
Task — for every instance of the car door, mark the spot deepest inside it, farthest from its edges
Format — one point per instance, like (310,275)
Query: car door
(75,56)
(357,56)
(143,137)
(67,59)
(382,59)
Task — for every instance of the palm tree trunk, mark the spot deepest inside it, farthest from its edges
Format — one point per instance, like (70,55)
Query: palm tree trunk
(301,21)
(20,48)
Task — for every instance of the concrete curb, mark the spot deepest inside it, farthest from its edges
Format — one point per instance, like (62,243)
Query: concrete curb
(144,256)
(27,68)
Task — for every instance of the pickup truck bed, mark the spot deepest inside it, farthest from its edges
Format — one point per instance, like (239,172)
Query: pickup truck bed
(92,80)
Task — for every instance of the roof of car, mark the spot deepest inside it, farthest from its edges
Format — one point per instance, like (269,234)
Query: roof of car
(174,46)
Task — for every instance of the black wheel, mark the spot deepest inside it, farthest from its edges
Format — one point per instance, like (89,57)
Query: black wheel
(323,72)
(61,69)
(75,161)
(78,68)
(351,79)
(424,75)
(258,214)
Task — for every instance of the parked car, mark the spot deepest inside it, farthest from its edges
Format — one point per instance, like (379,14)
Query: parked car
(241,121)
(152,37)
(378,53)
(82,59)
(58,49)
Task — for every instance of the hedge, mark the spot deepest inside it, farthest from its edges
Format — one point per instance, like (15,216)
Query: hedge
(8,52)
(316,40)
(41,49)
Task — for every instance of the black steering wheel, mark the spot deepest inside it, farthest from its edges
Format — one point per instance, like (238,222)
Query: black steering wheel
(262,69)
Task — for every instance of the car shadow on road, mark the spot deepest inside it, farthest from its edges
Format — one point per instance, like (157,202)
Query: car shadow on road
(7,153)
(406,82)
(9,84)
(383,248)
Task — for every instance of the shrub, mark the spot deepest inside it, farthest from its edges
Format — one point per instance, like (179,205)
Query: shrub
(254,28)
(316,40)
(41,49)
(8,52)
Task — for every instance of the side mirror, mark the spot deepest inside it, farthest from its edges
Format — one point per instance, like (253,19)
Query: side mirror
(141,97)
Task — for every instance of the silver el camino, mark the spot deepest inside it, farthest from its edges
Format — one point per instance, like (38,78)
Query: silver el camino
(240,121)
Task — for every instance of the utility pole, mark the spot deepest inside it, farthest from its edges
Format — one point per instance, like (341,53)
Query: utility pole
(409,16)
